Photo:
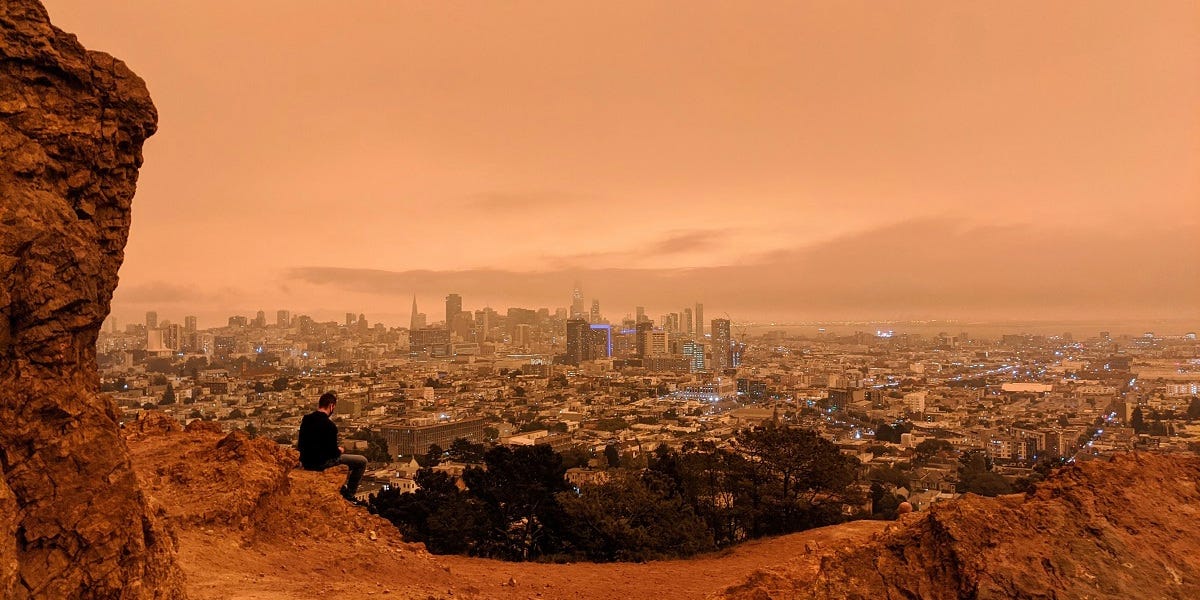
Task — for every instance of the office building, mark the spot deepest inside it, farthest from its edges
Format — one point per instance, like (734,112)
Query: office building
(693,351)
(415,439)
(643,337)
(722,345)
(579,341)
(577,303)
(453,307)
(595,318)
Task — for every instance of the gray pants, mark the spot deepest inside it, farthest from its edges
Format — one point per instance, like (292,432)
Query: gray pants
(357,464)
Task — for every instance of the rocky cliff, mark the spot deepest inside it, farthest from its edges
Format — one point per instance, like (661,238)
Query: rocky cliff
(1125,528)
(74,522)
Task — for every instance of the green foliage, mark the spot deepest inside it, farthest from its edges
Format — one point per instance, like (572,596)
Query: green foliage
(798,476)
(463,451)
(984,483)
(518,506)
(631,518)
(1193,409)
(518,488)
(433,457)
(377,449)
(576,456)
(891,476)
(612,456)
(612,424)
(1138,421)
(446,520)
(974,461)
(891,432)
(883,502)
(160,365)
(168,396)
(928,449)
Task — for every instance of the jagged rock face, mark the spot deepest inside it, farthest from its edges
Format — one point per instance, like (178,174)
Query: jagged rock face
(72,123)
(1126,528)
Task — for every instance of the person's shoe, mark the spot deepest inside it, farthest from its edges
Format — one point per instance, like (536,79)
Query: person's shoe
(350,497)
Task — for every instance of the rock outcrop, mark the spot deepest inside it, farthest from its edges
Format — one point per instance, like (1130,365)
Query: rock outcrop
(74,522)
(1125,528)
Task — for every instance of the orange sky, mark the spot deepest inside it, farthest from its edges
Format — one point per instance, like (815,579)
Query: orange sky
(804,160)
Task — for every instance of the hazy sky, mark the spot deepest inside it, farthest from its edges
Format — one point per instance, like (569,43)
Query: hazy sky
(874,159)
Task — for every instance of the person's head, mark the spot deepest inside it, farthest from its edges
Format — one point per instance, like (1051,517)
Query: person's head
(327,402)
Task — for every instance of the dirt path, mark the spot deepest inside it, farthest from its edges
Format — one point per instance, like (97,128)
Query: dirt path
(222,568)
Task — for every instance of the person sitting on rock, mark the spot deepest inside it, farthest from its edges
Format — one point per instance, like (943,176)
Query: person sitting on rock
(319,449)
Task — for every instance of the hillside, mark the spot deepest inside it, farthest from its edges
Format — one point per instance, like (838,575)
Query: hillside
(250,526)
(155,512)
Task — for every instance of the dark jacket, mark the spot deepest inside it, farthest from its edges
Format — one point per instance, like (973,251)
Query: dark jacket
(318,441)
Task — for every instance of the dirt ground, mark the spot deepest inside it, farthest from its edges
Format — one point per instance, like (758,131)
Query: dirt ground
(219,568)
(251,527)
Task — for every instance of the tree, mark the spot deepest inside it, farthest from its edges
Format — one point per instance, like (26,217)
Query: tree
(236,413)
(883,502)
(890,476)
(611,424)
(984,483)
(433,456)
(1193,409)
(280,384)
(438,514)
(928,449)
(800,478)
(517,487)
(576,456)
(891,432)
(377,450)
(1138,421)
(631,517)
(168,396)
(463,450)
(974,461)
(612,456)
(159,365)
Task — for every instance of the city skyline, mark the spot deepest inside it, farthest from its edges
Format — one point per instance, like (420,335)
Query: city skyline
(784,161)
